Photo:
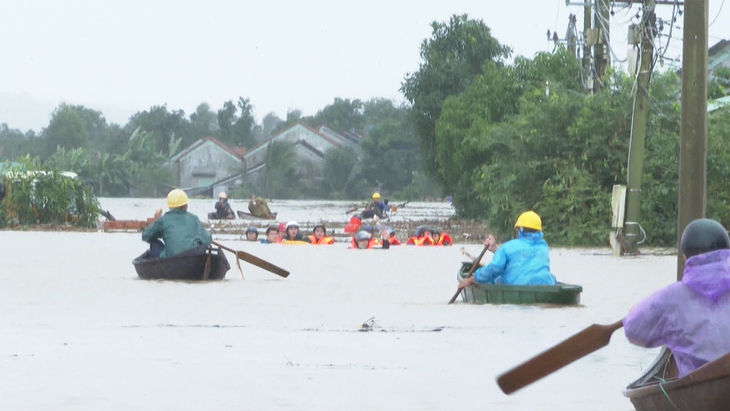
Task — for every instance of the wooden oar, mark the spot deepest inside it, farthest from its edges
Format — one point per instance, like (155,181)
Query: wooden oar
(578,346)
(252,259)
(471,271)
(353,209)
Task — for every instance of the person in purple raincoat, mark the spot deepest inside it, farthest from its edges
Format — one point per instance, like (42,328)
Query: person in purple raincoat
(691,317)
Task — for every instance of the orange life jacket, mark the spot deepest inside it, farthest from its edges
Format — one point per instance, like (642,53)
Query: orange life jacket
(371,244)
(353,225)
(395,241)
(445,239)
(323,241)
(420,241)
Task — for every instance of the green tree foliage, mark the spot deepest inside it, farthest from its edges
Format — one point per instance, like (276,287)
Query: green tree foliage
(67,129)
(204,122)
(451,59)
(341,115)
(340,173)
(163,125)
(719,84)
(46,196)
(14,143)
(237,130)
(281,178)
(390,153)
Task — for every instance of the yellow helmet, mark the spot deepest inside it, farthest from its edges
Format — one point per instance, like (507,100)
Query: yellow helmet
(529,219)
(376,196)
(176,198)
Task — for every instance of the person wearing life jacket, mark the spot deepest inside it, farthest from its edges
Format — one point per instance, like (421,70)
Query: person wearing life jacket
(440,238)
(368,229)
(282,232)
(422,237)
(319,236)
(391,236)
(353,225)
(293,234)
(363,240)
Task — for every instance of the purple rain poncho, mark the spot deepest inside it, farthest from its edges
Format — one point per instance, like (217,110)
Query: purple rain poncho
(691,317)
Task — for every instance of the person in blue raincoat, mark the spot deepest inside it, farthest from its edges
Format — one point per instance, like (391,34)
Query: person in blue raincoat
(524,260)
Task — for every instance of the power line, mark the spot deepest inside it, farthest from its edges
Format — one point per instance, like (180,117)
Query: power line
(718,13)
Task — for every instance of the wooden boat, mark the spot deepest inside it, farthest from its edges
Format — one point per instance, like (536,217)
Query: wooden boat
(706,388)
(560,294)
(214,216)
(247,216)
(189,265)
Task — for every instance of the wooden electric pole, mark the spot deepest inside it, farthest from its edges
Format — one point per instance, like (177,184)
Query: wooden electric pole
(693,131)
(647,30)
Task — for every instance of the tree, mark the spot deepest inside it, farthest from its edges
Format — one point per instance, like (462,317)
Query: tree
(340,173)
(269,123)
(66,129)
(163,126)
(341,115)
(390,154)
(451,59)
(204,121)
(281,178)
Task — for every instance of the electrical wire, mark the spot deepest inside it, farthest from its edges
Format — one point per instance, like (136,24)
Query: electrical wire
(718,13)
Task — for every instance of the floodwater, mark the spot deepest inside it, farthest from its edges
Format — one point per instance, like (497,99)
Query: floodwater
(81,332)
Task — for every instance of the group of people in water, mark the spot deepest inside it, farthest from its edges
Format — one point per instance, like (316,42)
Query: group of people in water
(689,316)
(367,236)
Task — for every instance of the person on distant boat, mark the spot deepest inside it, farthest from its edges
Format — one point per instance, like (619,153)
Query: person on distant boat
(690,316)
(258,207)
(272,236)
(319,236)
(293,234)
(363,240)
(376,208)
(520,261)
(178,229)
(252,234)
(223,210)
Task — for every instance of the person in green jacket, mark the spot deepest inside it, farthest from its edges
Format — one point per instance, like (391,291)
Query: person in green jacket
(179,230)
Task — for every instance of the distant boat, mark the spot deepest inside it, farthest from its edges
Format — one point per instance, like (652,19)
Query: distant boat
(560,294)
(190,265)
(706,388)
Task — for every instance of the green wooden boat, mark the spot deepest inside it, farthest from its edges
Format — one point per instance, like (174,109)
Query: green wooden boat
(560,294)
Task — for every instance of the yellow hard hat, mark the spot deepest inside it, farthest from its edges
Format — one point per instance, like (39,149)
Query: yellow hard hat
(376,196)
(176,198)
(222,195)
(529,219)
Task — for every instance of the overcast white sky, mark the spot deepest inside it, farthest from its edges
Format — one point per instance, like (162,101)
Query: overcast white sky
(121,57)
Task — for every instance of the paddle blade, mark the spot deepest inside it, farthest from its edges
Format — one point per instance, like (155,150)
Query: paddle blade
(252,259)
(578,346)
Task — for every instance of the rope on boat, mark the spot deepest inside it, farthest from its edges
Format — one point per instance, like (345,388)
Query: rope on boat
(661,387)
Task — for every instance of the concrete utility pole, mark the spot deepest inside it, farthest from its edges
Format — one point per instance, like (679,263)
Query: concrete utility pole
(587,20)
(602,24)
(638,127)
(693,131)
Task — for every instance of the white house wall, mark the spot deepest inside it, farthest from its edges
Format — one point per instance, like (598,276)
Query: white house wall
(205,165)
